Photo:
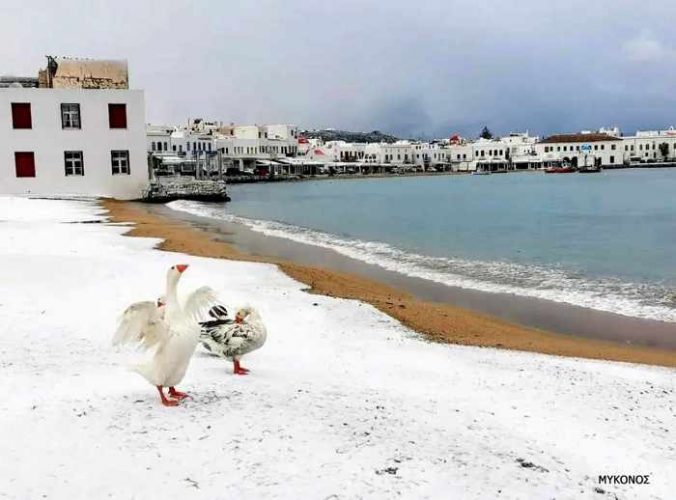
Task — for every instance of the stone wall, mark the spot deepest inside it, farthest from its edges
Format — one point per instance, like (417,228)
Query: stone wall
(86,74)
(166,189)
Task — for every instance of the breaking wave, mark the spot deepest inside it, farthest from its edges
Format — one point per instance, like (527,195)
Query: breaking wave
(651,301)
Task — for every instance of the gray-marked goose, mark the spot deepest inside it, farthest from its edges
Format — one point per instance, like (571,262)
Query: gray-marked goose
(232,339)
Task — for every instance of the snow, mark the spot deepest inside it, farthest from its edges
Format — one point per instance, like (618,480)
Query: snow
(342,401)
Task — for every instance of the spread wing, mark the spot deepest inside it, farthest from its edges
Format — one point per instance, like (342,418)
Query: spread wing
(199,302)
(142,323)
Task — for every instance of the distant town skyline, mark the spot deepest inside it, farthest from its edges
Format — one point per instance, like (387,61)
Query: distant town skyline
(425,69)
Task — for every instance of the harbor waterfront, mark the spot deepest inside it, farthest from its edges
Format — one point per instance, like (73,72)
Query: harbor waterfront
(598,242)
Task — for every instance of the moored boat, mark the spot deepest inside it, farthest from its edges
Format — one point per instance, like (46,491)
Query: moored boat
(590,170)
(560,170)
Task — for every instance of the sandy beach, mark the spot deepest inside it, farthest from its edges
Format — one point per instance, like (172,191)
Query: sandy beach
(440,322)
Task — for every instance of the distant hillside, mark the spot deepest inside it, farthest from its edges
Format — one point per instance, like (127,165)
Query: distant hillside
(347,136)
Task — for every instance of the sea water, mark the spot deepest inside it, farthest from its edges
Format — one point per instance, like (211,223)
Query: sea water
(604,241)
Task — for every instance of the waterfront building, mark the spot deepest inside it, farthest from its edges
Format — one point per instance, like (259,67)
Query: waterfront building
(650,146)
(461,156)
(233,148)
(521,151)
(76,129)
(581,149)
(432,156)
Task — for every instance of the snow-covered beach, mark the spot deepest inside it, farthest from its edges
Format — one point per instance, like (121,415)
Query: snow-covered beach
(342,402)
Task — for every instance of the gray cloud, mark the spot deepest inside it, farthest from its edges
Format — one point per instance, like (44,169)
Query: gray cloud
(425,68)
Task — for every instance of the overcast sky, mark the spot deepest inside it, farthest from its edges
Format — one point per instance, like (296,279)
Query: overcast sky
(413,68)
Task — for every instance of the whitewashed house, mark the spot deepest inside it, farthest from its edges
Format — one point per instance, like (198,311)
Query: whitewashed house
(461,156)
(73,131)
(521,151)
(650,146)
(582,149)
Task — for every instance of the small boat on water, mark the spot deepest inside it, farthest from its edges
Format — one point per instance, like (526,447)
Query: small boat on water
(481,172)
(590,170)
(560,170)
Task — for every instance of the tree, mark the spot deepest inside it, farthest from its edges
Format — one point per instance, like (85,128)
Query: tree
(664,149)
(486,134)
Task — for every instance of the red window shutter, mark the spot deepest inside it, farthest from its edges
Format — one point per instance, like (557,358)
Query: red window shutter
(117,115)
(25,164)
(21,115)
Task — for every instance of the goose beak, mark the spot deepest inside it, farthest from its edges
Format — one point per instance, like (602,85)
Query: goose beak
(181,267)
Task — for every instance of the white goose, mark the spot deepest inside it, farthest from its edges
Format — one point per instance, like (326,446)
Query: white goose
(233,339)
(168,327)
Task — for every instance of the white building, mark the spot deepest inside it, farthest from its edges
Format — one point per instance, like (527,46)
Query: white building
(282,132)
(583,149)
(461,155)
(521,151)
(72,141)
(650,146)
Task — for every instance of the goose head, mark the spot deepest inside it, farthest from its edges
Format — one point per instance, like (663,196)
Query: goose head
(243,313)
(174,274)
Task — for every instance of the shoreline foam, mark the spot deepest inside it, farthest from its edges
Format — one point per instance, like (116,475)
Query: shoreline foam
(438,322)
(522,280)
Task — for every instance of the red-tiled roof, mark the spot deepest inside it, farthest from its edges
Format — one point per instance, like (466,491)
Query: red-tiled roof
(579,138)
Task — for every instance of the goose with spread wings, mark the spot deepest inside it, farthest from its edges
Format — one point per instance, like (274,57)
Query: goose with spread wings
(169,329)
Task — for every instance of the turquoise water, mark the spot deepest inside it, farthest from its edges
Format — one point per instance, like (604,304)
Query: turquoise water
(605,241)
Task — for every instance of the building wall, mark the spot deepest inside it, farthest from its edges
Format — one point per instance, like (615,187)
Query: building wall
(645,147)
(95,139)
(608,153)
(283,132)
(90,74)
(250,132)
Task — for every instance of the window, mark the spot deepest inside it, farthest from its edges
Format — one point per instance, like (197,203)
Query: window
(612,160)
(173,147)
(73,162)
(612,147)
(152,146)
(603,147)
(24,163)
(21,115)
(120,162)
(117,115)
(70,116)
